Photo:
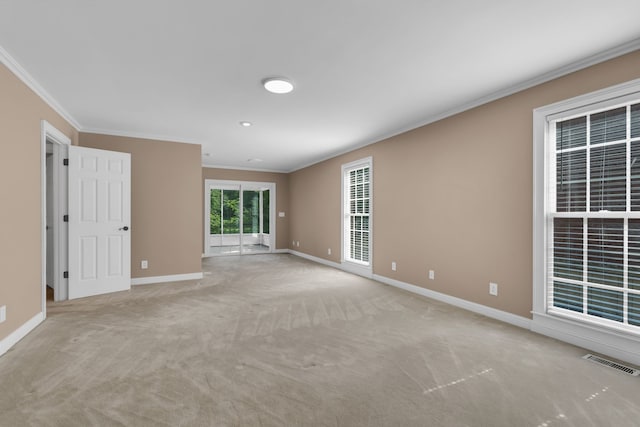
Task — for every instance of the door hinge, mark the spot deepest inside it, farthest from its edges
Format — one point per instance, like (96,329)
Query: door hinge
(65,162)
(65,275)
(65,218)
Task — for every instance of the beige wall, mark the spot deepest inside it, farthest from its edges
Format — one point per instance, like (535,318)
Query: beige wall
(21,113)
(166,202)
(282,195)
(454,196)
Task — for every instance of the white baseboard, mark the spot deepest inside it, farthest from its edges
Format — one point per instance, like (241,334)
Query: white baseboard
(315,259)
(348,267)
(618,346)
(493,313)
(13,338)
(503,316)
(164,279)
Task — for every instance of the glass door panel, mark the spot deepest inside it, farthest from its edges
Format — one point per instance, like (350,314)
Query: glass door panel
(224,233)
(253,236)
(239,218)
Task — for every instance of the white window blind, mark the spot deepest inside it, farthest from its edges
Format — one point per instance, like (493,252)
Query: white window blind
(357,209)
(593,221)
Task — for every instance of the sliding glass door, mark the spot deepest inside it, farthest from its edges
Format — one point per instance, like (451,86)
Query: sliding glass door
(224,221)
(239,217)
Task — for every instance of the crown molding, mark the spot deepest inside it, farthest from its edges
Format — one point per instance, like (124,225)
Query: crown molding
(140,135)
(26,78)
(32,84)
(581,64)
(239,168)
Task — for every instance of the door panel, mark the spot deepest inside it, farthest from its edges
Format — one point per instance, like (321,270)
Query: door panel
(99,221)
(239,217)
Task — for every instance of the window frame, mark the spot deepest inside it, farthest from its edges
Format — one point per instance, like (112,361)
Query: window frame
(357,266)
(596,335)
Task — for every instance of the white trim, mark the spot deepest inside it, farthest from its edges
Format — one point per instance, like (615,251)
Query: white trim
(315,259)
(240,186)
(15,336)
(619,346)
(598,58)
(141,135)
(32,84)
(345,266)
(239,168)
(49,133)
(164,279)
(593,337)
(360,270)
(615,345)
(364,269)
(493,313)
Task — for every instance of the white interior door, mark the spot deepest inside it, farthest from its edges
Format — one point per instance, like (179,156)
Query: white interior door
(99,221)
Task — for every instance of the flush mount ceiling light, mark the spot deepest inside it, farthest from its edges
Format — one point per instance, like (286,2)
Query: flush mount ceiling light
(245,124)
(254,160)
(277,85)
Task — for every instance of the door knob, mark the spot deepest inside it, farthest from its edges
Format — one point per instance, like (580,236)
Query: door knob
(125,228)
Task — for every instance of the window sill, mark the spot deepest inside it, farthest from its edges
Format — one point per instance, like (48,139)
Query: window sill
(617,344)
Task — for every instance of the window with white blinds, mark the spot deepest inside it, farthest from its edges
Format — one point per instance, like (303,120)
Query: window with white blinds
(593,215)
(357,210)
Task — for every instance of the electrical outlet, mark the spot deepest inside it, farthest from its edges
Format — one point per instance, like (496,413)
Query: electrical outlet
(493,289)
(432,275)
(393,266)
(293,243)
(298,243)
(3,313)
(329,251)
(144,264)
(281,214)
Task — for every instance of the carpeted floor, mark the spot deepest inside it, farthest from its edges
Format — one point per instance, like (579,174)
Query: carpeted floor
(275,340)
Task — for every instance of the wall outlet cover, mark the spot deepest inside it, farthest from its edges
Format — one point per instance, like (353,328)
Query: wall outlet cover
(493,289)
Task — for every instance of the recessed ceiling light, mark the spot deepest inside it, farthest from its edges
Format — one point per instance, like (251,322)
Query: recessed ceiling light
(207,154)
(277,85)
(245,124)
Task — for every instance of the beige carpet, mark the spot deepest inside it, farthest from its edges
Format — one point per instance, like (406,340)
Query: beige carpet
(275,340)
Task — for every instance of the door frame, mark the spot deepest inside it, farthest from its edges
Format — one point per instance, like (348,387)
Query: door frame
(208,183)
(60,143)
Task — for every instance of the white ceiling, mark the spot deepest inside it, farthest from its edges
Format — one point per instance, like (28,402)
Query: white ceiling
(190,70)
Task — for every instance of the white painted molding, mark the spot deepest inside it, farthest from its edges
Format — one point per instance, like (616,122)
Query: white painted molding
(142,135)
(503,316)
(164,279)
(347,266)
(13,338)
(315,259)
(528,84)
(239,168)
(493,313)
(619,346)
(598,339)
(32,84)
